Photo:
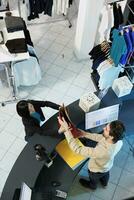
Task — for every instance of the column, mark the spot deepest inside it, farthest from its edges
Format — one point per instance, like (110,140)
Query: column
(87,23)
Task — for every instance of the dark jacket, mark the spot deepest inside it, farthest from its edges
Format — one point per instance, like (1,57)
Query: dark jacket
(31,124)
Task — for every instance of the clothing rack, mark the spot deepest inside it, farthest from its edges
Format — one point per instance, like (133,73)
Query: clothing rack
(130,8)
(63,18)
(112,2)
(127,26)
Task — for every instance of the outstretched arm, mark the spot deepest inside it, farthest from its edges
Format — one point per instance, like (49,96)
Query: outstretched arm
(75,146)
(46,104)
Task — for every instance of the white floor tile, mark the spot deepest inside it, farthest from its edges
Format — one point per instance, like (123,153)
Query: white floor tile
(3,178)
(62,40)
(48,80)
(122,193)
(44,44)
(68,75)
(6,140)
(61,86)
(17,146)
(62,61)
(50,35)
(40,92)
(2,153)
(75,91)
(4,119)
(8,161)
(49,56)
(57,28)
(127,181)
(14,125)
(56,48)
(107,193)
(55,70)
(82,82)
(75,67)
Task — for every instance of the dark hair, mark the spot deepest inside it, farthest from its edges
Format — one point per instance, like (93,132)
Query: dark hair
(117,130)
(22,108)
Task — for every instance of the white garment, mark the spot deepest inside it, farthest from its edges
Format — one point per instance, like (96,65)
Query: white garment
(100,66)
(27,72)
(61,6)
(103,67)
(106,80)
(110,21)
(106,22)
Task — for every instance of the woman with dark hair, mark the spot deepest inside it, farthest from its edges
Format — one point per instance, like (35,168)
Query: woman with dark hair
(32,115)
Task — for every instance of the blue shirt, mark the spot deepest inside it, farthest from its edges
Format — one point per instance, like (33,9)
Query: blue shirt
(128,41)
(118,47)
(36,115)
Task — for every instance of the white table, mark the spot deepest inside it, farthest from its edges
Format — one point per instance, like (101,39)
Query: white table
(6,57)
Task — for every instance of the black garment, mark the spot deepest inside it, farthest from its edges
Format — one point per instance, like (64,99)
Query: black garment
(70,2)
(94,178)
(14,23)
(31,124)
(116,15)
(118,18)
(27,35)
(48,7)
(17,45)
(33,9)
(39,6)
(98,61)
(131,15)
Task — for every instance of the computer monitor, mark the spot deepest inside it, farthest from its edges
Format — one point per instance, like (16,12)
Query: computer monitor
(25,193)
(101,116)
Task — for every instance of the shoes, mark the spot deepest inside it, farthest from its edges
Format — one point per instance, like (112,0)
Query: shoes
(103,184)
(86,184)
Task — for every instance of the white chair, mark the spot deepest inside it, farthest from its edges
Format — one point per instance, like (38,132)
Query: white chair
(4,67)
(26,72)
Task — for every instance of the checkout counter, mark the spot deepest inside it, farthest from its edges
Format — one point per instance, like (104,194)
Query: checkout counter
(35,174)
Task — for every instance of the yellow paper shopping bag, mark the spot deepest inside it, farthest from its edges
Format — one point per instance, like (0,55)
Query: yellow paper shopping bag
(69,156)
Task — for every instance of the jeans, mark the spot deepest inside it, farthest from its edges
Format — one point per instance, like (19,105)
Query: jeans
(98,176)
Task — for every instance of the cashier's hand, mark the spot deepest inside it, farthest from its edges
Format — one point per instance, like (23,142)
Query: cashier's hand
(63,124)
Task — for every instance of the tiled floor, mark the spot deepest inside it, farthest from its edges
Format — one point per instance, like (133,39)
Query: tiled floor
(64,79)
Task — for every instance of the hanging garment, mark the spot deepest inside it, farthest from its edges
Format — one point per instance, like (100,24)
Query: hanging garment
(61,6)
(110,22)
(125,56)
(118,18)
(106,24)
(131,32)
(48,7)
(118,47)
(102,67)
(130,60)
(22,72)
(108,77)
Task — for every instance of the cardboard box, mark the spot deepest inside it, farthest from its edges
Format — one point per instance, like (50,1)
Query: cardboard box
(122,86)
